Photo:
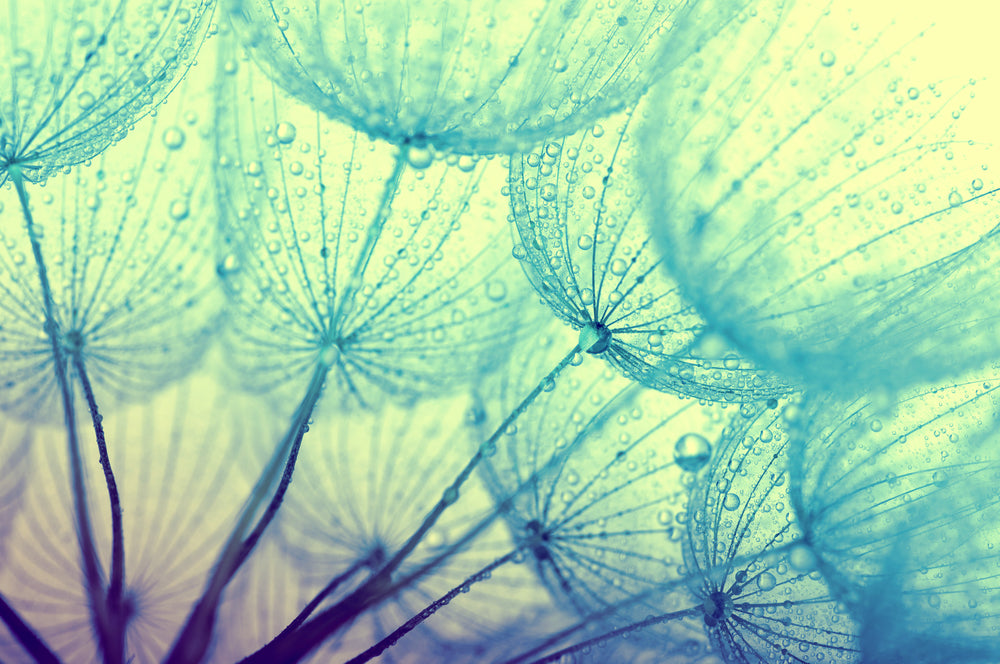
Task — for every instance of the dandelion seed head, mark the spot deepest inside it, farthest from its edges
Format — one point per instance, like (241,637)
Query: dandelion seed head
(596,496)
(826,211)
(581,232)
(339,251)
(760,592)
(474,78)
(75,80)
(127,246)
(909,503)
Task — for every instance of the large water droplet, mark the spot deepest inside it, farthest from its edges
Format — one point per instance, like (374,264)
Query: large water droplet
(692,452)
(173,138)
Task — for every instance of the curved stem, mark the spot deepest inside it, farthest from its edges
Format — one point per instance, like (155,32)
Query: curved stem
(92,571)
(116,586)
(327,590)
(433,608)
(193,640)
(299,643)
(607,636)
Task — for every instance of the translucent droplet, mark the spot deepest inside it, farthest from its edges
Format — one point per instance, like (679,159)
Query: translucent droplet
(285,132)
(548,192)
(496,290)
(731,502)
(179,210)
(419,156)
(692,452)
(173,138)
(766,581)
(827,58)
(955,199)
(585,242)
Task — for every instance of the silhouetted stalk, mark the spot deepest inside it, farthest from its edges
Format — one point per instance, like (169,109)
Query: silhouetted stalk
(607,636)
(327,590)
(25,635)
(116,586)
(109,634)
(193,640)
(438,604)
(292,646)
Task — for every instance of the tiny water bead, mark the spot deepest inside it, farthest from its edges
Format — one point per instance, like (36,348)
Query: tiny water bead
(596,266)
(173,138)
(514,79)
(835,236)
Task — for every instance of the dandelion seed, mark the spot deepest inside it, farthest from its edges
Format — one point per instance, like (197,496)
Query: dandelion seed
(484,77)
(127,251)
(93,314)
(582,233)
(821,217)
(360,271)
(596,497)
(762,598)
(400,287)
(75,80)
(910,505)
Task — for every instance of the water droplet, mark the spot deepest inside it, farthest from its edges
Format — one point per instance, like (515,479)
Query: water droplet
(827,58)
(179,210)
(913,93)
(766,581)
(955,199)
(731,502)
(585,242)
(801,558)
(548,192)
(692,451)
(496,290)
(419,156)
(173,138)
(285,132)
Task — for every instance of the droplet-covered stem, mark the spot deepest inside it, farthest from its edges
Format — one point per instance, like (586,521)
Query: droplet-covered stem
(438,604)
(109,632)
